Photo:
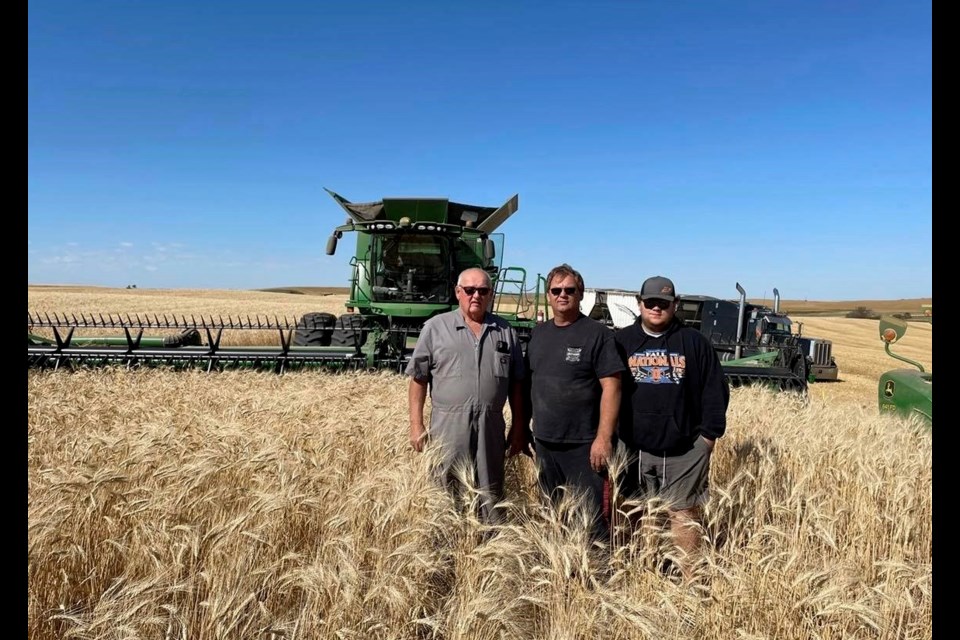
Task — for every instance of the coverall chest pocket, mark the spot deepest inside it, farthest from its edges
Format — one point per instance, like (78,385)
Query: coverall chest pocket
(501,365)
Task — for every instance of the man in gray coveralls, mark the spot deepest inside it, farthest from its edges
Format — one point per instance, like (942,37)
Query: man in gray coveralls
(472,362)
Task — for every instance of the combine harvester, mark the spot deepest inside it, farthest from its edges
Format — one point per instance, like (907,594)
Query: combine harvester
(409,252)
(755,343)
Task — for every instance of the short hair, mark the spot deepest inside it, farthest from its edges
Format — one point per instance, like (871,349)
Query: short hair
(564,270)
(487,278)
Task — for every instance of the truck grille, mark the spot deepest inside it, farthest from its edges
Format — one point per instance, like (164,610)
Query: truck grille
(820,351)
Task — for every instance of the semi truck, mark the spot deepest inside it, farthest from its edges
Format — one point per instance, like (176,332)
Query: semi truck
(738,329)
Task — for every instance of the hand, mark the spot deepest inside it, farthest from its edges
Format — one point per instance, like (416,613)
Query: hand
(418,437)
(520,442)
(710,443)
(600,452)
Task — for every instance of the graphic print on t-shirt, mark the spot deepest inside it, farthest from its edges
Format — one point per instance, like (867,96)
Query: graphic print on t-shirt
(657,366)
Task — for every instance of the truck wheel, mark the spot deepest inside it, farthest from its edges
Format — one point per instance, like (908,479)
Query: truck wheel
(314,329)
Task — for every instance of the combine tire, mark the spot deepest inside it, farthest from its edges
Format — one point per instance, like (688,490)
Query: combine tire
(314,330)
(189,337)
(349,331)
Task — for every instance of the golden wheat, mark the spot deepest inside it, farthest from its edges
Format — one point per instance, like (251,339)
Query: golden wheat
(250,505)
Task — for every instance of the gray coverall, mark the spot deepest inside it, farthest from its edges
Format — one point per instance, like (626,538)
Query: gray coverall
(469,382)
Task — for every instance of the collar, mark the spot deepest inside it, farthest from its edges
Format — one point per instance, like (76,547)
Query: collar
(460,323)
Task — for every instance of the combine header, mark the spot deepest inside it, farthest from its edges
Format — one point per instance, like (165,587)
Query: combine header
(409,252)
(182,347)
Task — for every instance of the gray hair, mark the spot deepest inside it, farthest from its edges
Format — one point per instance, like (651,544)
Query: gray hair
(486,276)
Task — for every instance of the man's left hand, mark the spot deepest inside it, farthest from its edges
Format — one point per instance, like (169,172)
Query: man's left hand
(600,452)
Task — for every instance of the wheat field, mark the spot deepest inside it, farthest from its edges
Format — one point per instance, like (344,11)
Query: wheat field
(244,505)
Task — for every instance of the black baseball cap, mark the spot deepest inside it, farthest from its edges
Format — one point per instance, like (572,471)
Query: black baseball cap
(658,288)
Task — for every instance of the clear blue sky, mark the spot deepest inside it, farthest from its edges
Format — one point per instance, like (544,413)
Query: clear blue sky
(770,143)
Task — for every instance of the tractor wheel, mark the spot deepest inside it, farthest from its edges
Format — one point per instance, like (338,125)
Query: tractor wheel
(314,329)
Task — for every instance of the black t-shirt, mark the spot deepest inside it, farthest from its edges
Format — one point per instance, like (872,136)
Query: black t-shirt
(566,364)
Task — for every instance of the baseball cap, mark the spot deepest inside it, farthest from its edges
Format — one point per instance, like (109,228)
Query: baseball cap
(658,288)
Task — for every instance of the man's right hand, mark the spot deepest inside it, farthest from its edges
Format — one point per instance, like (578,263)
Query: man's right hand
(418,437)
(600,452)
(520,440)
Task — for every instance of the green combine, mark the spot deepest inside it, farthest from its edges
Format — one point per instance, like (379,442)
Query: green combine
(407,256)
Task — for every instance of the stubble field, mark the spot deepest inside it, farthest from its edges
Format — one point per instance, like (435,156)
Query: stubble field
(250,505)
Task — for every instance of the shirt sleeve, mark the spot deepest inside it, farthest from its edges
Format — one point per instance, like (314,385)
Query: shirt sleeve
(421,361)
(608,360)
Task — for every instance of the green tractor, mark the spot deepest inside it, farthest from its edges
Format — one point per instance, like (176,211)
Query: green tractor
(907,392)
(408,255)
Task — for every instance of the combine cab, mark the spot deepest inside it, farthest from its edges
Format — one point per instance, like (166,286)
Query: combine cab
(907,392)
(408,254)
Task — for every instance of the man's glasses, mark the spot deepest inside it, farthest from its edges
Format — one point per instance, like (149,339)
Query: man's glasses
(472,290)
(656,303)
(567,290)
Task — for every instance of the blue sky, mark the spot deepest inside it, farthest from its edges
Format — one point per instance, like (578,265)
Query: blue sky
(774,144)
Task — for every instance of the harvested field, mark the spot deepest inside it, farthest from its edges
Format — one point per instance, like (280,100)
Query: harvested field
(250,505)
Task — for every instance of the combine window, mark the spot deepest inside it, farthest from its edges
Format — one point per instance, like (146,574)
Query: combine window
(412,268)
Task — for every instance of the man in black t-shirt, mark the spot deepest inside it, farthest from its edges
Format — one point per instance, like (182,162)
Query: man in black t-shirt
(574,374)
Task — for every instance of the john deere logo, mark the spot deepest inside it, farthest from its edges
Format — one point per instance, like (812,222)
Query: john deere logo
(888,388)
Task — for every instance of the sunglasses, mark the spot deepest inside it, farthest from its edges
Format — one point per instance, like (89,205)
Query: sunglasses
(656,303)
(567,290)
(472,290)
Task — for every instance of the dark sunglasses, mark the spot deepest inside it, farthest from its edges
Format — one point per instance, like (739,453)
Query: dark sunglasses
(472,290)
(656,303)
(568,290)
